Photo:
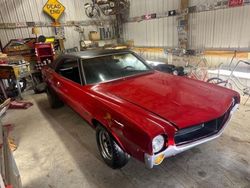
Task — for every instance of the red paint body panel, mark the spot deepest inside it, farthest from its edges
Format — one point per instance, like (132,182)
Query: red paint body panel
(145,105)
(185,102)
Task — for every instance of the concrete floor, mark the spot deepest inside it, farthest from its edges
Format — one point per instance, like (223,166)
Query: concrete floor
(57,149)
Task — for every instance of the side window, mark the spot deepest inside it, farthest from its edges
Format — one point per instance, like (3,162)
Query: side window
(69,69)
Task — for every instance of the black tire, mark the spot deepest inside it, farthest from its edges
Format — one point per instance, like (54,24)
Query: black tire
(54,100)
(23,84)
(92,12)
(40,88)
(112,154)
(37,79)
(36,91)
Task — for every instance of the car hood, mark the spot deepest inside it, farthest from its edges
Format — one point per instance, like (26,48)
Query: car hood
(182,101)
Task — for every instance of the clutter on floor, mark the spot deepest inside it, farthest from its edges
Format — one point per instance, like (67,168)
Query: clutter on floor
(20,105)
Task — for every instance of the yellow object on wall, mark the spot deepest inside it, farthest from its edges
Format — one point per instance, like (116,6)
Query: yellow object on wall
(54,9)
(35,30)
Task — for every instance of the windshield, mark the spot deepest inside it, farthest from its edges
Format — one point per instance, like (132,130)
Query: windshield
(111,67)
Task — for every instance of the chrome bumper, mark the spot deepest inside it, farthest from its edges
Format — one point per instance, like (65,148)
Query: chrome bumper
(173,149)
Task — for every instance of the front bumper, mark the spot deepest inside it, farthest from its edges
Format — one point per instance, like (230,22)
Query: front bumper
(151,160)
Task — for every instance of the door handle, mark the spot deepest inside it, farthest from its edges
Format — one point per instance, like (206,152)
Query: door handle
(58,84)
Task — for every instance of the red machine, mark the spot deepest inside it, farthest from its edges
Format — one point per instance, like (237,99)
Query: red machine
(44,53)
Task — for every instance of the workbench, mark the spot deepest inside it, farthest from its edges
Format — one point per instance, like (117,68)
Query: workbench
(15,72)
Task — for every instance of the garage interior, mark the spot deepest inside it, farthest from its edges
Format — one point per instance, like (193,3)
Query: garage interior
(202,40)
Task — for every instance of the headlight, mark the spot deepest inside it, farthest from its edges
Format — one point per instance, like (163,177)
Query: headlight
(158,143)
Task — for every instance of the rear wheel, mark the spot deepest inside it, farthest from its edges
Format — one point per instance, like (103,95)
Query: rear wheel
(110,151)
(54,100)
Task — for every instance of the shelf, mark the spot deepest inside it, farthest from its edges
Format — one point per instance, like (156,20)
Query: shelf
(102,40)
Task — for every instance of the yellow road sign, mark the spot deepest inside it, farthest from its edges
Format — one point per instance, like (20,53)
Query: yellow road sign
(54,8)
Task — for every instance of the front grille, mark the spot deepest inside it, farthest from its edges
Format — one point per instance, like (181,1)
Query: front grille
(200,131)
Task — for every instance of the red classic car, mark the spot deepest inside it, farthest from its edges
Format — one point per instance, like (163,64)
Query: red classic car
(135,110)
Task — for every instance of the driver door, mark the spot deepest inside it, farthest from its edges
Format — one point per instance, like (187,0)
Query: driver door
(67,81)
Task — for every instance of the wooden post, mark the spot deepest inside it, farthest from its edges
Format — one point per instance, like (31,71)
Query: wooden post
(61,44)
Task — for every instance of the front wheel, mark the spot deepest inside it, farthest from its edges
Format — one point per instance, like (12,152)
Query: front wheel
(110,151)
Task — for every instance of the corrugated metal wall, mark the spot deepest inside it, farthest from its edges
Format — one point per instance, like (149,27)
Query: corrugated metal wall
(156,32)
(31,10)
(223,28)
(226,29)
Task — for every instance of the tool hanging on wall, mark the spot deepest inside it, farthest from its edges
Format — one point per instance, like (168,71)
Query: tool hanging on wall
(80,30)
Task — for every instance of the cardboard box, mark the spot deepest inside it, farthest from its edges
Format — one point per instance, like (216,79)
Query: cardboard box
(94,36)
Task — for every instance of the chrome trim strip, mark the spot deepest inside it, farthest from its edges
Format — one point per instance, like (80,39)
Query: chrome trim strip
(80,71)
(173,149)
(118,123)
(83,72)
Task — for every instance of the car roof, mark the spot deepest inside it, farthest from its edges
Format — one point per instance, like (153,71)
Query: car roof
(95,53)
(87,54)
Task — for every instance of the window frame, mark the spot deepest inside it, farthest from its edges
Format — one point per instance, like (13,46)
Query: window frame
(62,60)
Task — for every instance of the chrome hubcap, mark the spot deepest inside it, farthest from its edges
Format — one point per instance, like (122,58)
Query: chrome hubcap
(104,140)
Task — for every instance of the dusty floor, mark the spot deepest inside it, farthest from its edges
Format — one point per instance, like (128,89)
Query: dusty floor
(57,149)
